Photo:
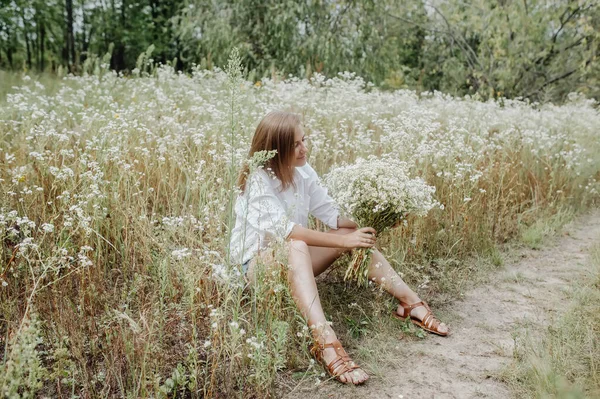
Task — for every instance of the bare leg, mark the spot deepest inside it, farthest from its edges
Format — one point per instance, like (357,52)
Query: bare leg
(304,263)
(381,272)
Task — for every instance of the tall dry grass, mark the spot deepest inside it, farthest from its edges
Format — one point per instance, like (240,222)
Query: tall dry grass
(114,213)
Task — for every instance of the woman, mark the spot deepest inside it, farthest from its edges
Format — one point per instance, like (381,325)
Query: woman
(275,204)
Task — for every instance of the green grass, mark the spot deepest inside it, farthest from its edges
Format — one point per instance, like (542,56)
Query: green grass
(533,235)
(565,362)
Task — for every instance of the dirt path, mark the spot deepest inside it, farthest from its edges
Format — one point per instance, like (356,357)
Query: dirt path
(528,292)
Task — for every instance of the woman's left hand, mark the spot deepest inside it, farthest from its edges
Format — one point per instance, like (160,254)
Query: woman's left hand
(361,238)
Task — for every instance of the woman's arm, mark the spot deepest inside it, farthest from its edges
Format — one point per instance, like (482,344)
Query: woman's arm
(364,237)
(347,223)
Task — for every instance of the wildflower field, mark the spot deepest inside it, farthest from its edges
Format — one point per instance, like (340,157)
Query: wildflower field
(115,204)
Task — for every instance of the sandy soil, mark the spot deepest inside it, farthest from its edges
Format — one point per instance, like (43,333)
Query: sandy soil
(528,292)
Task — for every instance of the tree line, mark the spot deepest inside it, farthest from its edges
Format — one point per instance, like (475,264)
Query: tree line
(536,49)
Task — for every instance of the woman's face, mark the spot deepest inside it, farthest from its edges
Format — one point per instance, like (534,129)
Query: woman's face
(299,148)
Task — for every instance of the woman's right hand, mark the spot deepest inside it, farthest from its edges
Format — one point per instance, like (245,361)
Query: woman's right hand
(361,238)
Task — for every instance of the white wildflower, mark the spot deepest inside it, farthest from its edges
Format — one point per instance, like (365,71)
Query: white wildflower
(378,193)
(180,254)
(47,227)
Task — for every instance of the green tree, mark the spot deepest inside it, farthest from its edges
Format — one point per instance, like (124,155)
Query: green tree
(535,49)
(303,37)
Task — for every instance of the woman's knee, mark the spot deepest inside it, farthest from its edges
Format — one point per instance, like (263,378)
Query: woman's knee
(299,257)
(378,256)
(296,247)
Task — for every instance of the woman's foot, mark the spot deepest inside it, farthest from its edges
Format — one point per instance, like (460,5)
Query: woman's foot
(337,362)
(421,315)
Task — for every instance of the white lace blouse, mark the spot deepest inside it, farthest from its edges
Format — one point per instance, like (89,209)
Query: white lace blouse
(264,214)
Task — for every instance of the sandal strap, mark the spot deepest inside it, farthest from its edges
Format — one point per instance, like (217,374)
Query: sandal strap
(409,308)
(337,346)
(347,365)
(335,364)
(341,364)
(330,344)
(430,321)
(351,365)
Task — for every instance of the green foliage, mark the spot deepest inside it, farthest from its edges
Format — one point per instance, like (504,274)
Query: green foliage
(564,362)
(299,38)
(144,63)
(22,372)
(357,328)
(531,49)
(534,234)
(491,49)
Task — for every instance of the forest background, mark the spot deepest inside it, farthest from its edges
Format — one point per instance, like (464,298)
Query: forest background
(540,50)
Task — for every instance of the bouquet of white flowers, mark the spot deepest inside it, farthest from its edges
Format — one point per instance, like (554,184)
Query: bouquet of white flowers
(377,193)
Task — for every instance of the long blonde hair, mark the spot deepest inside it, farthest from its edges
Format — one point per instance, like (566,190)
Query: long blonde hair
(276,131)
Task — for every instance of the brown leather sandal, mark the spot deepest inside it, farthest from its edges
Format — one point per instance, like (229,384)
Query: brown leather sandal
(429,323)
(338,366)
